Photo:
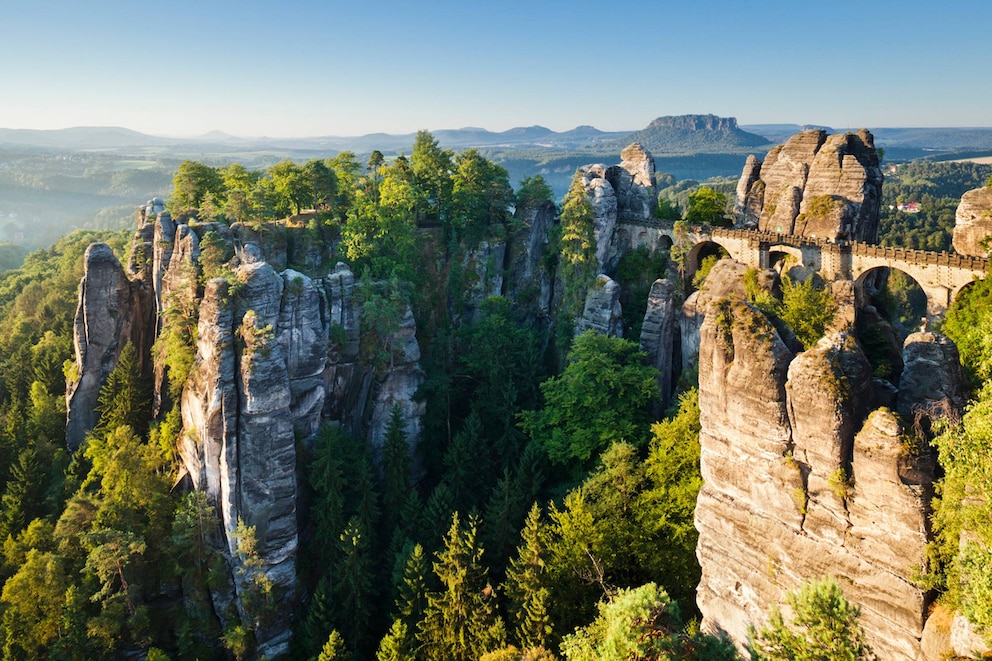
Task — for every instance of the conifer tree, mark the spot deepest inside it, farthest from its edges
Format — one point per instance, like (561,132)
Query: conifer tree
(526,587)
(320,617)
(466,466)
(352,580)
(461,622)
(334,649)
(327,479)
(124,399)
(411,595)
(397,645)
(396,490)
(501,523)
(23,497)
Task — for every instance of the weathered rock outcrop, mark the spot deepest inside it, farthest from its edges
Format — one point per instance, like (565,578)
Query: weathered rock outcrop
(973,222)
(602,312)
(530,282)
(725,280)
(238,442)
(109,313)
(486,267)
(620,192)
(801,482)
(750,194)
(932,381)
(604,207)
(658,335)
(828,187)
(633,183)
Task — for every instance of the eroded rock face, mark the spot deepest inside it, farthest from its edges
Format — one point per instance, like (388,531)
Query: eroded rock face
(109,305)
(398,388)
(750,194)
(932,382)
(815,185)
(602,312)
(529,282)
(604,207)
(624,192)
(973,222)
(486,263)
(658,334)
(801,482)
(633,182)
(725,280)
(238,442)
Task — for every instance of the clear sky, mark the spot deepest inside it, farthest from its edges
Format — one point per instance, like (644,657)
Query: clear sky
(330,67)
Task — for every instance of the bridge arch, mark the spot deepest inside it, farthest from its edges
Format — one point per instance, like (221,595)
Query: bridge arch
(912,302)
(699,252)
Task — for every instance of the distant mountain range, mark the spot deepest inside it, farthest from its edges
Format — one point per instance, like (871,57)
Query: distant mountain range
(683,134)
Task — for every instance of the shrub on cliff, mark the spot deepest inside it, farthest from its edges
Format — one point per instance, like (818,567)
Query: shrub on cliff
(824,627)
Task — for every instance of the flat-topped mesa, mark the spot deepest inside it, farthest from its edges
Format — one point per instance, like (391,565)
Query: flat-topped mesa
(814,185)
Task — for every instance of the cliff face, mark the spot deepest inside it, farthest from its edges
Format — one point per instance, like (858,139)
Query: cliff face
(973,222)
(802,479)
(815,185)
(276,355)
(620,192)
(109,314)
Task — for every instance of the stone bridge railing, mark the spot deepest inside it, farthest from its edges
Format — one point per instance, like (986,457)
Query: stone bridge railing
(941,275)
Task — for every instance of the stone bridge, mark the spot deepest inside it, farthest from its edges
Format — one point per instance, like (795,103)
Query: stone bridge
(940,275)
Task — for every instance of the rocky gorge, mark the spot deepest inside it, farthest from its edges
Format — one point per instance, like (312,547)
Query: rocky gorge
(808,458)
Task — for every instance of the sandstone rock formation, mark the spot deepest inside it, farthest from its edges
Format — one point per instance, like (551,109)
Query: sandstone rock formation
(815,185)
(486,263)
(604,207)
(658,335)
(277,354)
(620,192)
(529,280)
(800,481)
(602,312)
(238,443)
(109,313)
(973,222)
(932,381)
(634,184)
(750,194)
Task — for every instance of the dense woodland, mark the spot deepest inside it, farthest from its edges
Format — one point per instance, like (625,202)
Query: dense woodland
(553,518)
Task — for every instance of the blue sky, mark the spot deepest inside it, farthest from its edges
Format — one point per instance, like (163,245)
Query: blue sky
(306,68)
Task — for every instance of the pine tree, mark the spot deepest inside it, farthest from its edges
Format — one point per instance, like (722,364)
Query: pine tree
(23,497)
(320,617)
(334,649)
(353,580)
(397,645)
(124,399)
(501,523)
(327,479)
(411,594)
(461,622)
(396,490)
(466,466)
(526,587)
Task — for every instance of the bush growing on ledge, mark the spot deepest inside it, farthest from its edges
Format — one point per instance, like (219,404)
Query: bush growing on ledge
(824,627)
(805,308)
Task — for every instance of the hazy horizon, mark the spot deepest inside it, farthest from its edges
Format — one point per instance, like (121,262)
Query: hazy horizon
(310,68)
